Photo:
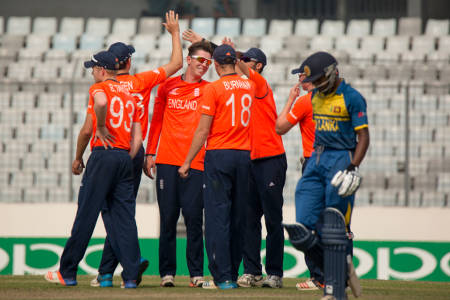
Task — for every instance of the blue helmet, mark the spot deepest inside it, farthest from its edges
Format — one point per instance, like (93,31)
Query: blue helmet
(318,65)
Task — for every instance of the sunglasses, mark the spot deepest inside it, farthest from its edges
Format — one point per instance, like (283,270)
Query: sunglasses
(202,59)
(248,59)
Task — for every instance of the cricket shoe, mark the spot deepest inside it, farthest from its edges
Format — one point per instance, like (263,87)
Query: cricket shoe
(56,277)
(309,285)
(250,280)
(167,281)
(209,285)
(128,284)
(273,281)
(105,280)
(197,281)
(142,267)
(227,285)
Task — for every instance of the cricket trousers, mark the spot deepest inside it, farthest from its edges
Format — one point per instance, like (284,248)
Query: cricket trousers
(174,194)
(107,186)
(267,179)
(314,193)
(225,198)
(109,260)
(314,271)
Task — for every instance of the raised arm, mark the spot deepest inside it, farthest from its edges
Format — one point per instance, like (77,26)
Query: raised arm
(283,125)
(176,60)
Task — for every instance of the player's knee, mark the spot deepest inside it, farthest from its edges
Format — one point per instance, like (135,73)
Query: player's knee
(301,237)
(334,229)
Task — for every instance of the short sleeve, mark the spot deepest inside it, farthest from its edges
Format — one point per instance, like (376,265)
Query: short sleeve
(261,85)
(298,110)
(357,109)
(208,104)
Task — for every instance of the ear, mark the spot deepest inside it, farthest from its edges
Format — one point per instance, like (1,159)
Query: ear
(259,66)
(188,60)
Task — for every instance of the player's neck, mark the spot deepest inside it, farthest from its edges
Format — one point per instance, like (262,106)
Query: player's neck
(190,77)
(226,70)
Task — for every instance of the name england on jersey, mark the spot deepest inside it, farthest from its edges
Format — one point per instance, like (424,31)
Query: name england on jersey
(182,104)
(236,84)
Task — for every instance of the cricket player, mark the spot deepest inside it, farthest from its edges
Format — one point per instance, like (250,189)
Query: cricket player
(299,110)
(225,126)
(107,184)
(327,187)
(175,118)
(140,86)
(267,177)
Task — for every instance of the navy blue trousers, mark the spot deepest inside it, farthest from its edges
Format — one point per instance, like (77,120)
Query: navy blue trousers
(225,198)
(267,178)
(107,186)
(174,194)
(109,260)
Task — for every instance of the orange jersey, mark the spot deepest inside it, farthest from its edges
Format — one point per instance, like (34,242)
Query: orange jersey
(140,86)
(175,119)
(121,112)
(265,141)
(229,100)
(302,113)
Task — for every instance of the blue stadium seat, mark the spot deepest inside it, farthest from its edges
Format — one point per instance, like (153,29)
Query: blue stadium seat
(64,42)
(203,26)
(91,42)
(230,27)
(254,27)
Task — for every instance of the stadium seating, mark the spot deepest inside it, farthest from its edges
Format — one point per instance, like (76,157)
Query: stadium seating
(230,27)
(72,26)
(40,67)
(203,26)
(44,25)
(254,27)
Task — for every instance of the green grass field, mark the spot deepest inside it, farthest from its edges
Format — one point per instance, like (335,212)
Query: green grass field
(35,287)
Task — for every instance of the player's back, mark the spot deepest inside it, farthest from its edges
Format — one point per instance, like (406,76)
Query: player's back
(121,112)
(140,86)
(229,100)
(265,141)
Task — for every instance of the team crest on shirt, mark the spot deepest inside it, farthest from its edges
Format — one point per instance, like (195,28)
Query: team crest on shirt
(337,109)
(307,71)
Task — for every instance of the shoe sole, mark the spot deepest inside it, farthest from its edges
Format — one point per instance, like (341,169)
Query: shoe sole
(167,284)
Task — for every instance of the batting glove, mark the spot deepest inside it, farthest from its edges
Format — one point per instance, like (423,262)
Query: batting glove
(348,181)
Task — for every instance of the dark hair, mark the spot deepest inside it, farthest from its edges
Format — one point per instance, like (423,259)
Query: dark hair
(228,61)
(123,64)
(203,45)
